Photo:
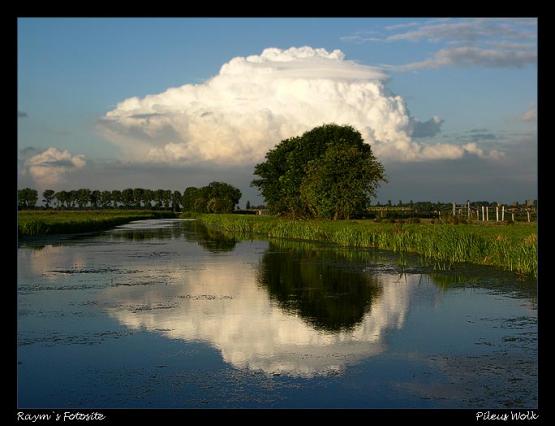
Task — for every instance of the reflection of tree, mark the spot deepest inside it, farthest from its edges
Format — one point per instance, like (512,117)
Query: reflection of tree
(40,242)
(193,231)
(448,280)
(485,277)
(324,289)
(117,234)
(209,239)
(164,233)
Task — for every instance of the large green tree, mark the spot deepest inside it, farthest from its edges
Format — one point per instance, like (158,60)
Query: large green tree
(341,182)
(216,197)
(282,176)
(275,177)
(222,197)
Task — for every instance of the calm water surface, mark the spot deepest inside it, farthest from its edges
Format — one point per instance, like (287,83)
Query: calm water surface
(164,313)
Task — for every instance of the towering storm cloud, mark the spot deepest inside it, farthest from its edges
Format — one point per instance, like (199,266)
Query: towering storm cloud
(256,101)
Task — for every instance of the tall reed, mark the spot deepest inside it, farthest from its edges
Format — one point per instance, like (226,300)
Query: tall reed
(511,247)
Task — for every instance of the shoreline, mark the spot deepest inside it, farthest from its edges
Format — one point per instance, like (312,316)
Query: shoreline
(509,247)
(40,223)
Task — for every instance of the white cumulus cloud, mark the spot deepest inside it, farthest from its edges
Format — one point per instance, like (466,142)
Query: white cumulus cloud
(49,167)
(254,102)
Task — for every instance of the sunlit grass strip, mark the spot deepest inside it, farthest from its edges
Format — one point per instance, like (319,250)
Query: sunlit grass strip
(44,222)
(510,247)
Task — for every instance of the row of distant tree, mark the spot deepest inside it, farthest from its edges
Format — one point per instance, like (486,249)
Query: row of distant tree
(216,197)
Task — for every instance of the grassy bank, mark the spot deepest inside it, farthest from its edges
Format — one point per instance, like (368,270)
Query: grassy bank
(33,223)
(511,247)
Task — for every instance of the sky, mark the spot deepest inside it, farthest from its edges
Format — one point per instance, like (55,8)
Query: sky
(449,106)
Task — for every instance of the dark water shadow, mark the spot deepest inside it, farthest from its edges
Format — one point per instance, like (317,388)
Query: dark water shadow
(211,240)
(322,286)
(332,288)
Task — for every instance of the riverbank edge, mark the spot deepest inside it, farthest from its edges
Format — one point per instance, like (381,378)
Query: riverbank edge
(440,244)
(75,224)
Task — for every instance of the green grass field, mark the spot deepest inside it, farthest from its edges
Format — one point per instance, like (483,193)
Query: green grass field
(511,247)
(44,222)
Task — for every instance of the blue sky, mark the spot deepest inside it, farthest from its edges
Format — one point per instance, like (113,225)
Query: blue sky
(472,74)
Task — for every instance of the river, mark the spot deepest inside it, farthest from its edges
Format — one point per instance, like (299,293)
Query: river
(168,314)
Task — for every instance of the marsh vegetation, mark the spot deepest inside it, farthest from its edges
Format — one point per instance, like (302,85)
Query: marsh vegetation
(510,247)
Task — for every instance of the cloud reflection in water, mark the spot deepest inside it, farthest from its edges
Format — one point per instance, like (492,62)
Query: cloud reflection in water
(232,306)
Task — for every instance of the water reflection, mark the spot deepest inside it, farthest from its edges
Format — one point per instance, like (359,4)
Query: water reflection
(295,309)
(281,307)
(146,230)
(211,240)
(191,230)
(44,260)
(298,312)
(320,286)
(486,277)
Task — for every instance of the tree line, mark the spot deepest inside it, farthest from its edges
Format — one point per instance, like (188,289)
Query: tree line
(216,197)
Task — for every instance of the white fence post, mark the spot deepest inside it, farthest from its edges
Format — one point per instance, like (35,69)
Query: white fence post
(454,209)
(497,213)
(528,214)
(487,213)
(503,213)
